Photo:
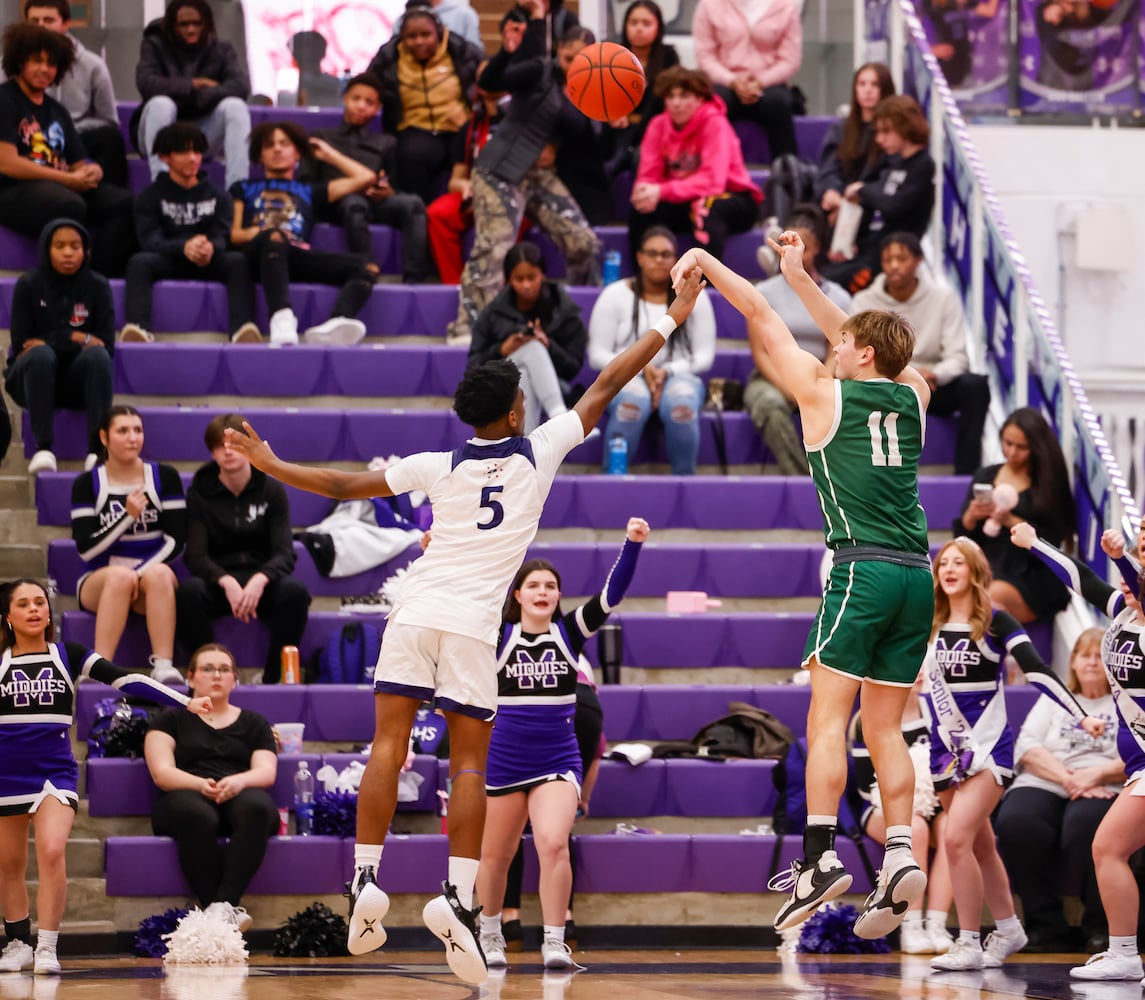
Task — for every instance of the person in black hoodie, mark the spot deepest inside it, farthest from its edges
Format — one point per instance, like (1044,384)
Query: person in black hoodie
(183,221)
(239,551)
(45,172)
(533,322)
(63,337)
(186,72)
(380,202)
(514,174)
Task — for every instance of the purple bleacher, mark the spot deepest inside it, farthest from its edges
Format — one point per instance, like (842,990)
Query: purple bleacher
(726,863)
(707,788)
(758,640)
(17,253)
(340,712)
(149,866)
(810,131)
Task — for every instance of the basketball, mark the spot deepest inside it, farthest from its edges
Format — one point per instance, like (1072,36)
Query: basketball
(605,81)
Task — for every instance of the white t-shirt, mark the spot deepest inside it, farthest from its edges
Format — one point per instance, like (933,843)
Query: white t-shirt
(487,499)
(1051,726)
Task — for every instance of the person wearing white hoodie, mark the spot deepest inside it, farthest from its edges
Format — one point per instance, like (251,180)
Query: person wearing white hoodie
(940,354)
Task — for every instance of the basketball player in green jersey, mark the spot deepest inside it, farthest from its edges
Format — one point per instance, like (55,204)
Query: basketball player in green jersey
(863,429)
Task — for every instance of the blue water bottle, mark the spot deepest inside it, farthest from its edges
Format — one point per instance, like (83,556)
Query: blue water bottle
(617,455)
(611,270)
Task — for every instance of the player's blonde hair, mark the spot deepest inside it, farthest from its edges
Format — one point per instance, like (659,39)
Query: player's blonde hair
(891,336)
(980,578)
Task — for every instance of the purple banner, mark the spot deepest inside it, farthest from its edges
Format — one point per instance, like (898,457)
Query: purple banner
(971,42)
(1078,56)
(957,188)
(999,288)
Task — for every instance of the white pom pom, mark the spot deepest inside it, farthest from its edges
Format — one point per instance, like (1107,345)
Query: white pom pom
(205,939)
(925,798)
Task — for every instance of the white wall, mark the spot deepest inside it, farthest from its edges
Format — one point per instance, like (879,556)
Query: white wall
(1073,199)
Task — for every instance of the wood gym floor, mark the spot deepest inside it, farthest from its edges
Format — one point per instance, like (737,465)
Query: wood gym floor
(610,975)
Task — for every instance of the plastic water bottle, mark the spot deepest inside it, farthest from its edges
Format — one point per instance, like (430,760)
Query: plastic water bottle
(611,269)
(52,591)
(303,801)
(617,455)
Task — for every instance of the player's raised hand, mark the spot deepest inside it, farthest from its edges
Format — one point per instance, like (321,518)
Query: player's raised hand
(689,260)
(256,450)
(790,249)
(687,291)
(637,529)
(1023,535)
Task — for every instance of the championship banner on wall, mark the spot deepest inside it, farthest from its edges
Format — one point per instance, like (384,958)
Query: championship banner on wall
(971,42)
(353,30)
(1076,55)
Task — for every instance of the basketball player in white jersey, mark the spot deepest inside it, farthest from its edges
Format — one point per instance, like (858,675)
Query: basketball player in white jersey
(440,640)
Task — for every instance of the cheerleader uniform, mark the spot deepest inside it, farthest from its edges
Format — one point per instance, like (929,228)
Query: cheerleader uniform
(964,680)
(37,706)
(1122,648)
(107,535)
(534,741)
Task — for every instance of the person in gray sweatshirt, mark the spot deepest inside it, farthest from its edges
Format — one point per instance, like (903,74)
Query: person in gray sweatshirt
(940,354)
(86,92)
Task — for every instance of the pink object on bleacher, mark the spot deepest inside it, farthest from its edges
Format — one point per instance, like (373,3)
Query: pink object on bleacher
(690,602)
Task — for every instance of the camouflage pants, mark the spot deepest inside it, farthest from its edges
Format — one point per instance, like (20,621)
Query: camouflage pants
(498,208)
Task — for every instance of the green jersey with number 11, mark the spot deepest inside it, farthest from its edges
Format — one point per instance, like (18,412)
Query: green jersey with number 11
(866,469)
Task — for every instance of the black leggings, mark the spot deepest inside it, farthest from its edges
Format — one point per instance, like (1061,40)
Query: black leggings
(727,215)
(276,262)
(217,871)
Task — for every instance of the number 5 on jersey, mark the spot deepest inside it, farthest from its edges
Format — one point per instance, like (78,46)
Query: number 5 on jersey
(880,427)
(494,507)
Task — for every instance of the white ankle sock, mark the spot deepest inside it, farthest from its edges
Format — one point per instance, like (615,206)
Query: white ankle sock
(913,918)
(1008,925)
(898,839)
(491,925)
(367,855)
(1126,946)
(462,876)
(47,940)
(972,937)
(555,932)
(936,919)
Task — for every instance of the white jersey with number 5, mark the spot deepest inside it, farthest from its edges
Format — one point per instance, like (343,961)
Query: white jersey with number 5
(487,499)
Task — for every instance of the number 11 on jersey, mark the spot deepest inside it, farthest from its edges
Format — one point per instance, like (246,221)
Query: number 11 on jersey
(879,426)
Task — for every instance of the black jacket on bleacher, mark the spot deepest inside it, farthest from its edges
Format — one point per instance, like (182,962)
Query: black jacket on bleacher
(167,68)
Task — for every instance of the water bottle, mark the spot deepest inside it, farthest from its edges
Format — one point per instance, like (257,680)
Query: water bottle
(610,651)
(303,801)
(52,591)
(611,270)
(617,455)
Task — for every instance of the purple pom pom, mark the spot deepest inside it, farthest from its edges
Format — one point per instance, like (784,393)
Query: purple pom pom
(149,941)
(831,931)
(336,814)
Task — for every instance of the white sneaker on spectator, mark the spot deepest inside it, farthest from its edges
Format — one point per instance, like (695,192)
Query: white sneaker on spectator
(494,947)
(17,956)
(133,333)
(1000,946)
(940,939)
(248,333)
(46,962)
(166,673)
(914,940)
(1109,965)
(336,330)
(90,461)
(283,328)
(42,461)
(236,915)
(557,955)
(961,957)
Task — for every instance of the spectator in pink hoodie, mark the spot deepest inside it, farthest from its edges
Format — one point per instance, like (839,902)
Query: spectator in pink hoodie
(751,50)
(692,177)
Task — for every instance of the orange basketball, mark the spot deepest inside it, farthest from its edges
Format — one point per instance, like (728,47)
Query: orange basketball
(605,81)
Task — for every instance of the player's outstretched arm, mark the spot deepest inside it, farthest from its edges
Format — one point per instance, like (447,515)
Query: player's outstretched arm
(325,482)
(798,370)
(630,362)
(827,316)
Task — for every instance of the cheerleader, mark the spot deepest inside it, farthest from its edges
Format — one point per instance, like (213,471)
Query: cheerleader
(972,746)
(1122,831)
(534,764)
(39,776)
(129,520)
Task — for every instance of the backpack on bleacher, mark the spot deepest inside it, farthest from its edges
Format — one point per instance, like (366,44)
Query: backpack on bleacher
(349,656)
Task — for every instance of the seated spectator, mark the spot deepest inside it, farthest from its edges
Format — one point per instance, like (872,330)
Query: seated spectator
(458,17)
(129,521)
(182,221)
(670,385)
(1036,468)
(643,34)
(751,52)
(1067,780)
(44,170)
(514,175)
(213,780)
(692,177)
(380,203)
(849,150)
(315,88)
(273,217)
(581,151)
(765,397)
(940,354)
(533,322)
(427,75)
(450,216)
(187,73)
(86,92)
(899,199)
(63,337)
(239,565)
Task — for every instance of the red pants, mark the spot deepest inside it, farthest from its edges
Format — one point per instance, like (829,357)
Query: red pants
(447,225)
